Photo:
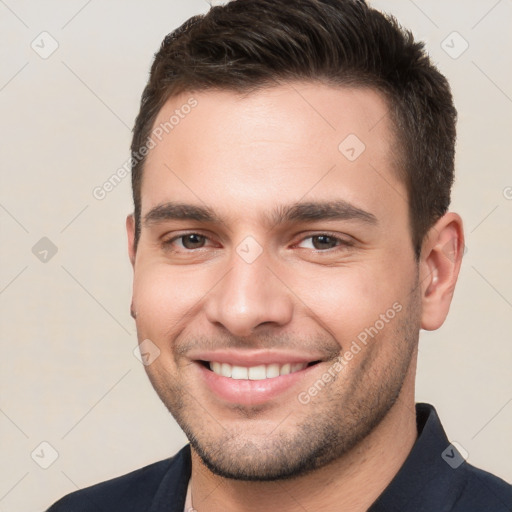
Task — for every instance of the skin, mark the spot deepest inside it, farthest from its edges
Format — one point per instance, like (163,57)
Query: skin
(241,155)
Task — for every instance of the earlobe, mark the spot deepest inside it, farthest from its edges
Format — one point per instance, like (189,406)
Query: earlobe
(440,262)
(130,231)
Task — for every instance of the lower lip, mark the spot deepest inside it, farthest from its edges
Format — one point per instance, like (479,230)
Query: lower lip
(251,392)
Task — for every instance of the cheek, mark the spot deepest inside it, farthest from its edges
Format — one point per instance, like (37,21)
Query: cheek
(348,301)
(161,298)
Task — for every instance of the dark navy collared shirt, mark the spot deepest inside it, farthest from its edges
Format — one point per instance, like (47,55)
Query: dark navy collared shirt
(434,478)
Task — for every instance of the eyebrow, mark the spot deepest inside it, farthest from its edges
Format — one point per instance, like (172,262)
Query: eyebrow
(310,211)
(313,211)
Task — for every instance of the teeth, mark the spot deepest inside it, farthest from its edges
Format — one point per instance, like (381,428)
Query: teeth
(272,371)
(285,369)
(239,372)
(257,372)
(260,372)
(225,370)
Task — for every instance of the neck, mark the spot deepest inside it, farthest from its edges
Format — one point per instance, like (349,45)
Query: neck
(351,483)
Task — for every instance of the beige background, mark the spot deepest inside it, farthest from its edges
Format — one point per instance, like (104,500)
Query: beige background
(68,374)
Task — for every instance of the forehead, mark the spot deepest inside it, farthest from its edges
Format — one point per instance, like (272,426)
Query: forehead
(274,146)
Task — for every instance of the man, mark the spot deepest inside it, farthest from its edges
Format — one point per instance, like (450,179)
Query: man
(292,166)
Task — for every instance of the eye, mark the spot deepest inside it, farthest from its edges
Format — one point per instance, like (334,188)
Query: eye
(189,241)
(323,242)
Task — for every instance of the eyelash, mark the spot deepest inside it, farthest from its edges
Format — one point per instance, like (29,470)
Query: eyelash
(341,242)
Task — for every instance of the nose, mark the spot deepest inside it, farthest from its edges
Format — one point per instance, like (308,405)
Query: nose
(248,296)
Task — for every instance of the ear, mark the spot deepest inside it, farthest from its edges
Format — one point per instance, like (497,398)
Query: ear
(440,261)
(130,231)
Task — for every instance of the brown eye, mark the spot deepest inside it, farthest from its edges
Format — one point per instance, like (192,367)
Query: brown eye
(192,241)
(321,242)
(325,243)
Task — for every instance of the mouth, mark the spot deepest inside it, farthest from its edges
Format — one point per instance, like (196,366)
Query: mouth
(258,372)
(240,383)
(254,376)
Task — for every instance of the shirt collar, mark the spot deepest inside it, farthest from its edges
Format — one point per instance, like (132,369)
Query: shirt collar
(174,484)
(426,481)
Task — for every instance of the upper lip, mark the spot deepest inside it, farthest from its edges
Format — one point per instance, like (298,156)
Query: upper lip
(253,357)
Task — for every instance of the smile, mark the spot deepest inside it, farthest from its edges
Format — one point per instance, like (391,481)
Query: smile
(260,372)
(246,378)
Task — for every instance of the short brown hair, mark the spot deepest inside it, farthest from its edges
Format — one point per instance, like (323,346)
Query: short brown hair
(246,45)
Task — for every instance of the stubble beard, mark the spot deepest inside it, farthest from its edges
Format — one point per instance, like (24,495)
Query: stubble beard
(338,419)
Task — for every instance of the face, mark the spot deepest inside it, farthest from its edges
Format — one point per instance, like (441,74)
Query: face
(275,274)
